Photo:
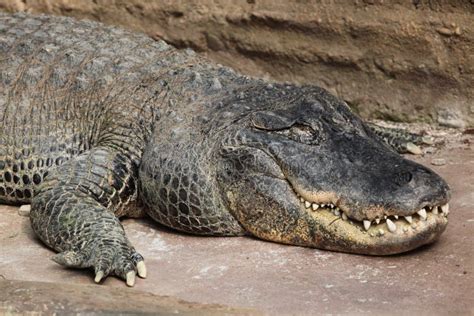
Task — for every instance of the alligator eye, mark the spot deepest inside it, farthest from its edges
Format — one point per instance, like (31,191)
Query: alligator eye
(300,133)
(271,121)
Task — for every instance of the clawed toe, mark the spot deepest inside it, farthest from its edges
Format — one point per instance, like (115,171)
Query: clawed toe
(99,275)
(141,268)
(130,278)
(126,265)
(413,149)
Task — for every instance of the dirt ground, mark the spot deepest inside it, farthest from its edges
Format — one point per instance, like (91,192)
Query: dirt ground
(398,60)
(249,276)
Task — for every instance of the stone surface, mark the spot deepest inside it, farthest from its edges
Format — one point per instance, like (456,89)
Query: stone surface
(263,276)
(399,60)
(43,298)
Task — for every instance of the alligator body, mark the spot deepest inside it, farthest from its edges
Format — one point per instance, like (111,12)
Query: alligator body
(95,120)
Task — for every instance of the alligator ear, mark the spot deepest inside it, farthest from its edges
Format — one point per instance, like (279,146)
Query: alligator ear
(269,120)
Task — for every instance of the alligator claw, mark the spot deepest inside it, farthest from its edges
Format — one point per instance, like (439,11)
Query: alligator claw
(141,268)
(413,149)
(131,278)
(99,275)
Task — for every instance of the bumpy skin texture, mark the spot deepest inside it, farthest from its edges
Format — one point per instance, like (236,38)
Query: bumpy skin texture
(94,119)
(80,90)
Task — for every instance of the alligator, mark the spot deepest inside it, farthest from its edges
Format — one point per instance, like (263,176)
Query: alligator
(98,123)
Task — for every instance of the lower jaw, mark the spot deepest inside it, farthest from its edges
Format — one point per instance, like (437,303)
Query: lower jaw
(344,236)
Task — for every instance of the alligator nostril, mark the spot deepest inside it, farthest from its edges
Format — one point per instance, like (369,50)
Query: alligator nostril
(403,177)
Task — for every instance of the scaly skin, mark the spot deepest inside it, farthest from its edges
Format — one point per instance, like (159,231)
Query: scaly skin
(94,119)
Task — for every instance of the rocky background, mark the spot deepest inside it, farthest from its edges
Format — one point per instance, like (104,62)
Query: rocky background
(401,60)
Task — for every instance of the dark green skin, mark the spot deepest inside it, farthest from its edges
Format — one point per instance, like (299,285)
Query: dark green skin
(94,119)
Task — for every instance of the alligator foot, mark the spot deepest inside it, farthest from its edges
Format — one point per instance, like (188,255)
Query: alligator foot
(401,140)
(120,260)
(72,213)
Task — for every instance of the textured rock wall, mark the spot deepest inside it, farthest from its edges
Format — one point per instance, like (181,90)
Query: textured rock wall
(401,60)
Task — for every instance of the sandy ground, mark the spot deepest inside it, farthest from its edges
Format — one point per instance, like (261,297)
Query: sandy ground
(246,273)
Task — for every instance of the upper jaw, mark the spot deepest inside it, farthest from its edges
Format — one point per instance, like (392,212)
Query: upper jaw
(385,221)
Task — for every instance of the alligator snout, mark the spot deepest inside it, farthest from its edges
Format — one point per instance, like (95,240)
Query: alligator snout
(429,186)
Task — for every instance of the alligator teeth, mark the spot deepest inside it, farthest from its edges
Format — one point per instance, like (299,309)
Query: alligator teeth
(390,220)
(445,209)
(422,214)
(367,224)
(391,225)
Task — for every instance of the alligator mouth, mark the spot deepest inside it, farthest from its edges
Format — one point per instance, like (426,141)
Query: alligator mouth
(379,226)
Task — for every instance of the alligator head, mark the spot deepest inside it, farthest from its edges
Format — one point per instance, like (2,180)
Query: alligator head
(292,165)
(305,170)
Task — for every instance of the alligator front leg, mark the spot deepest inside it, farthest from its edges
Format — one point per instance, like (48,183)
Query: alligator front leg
(73,213)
